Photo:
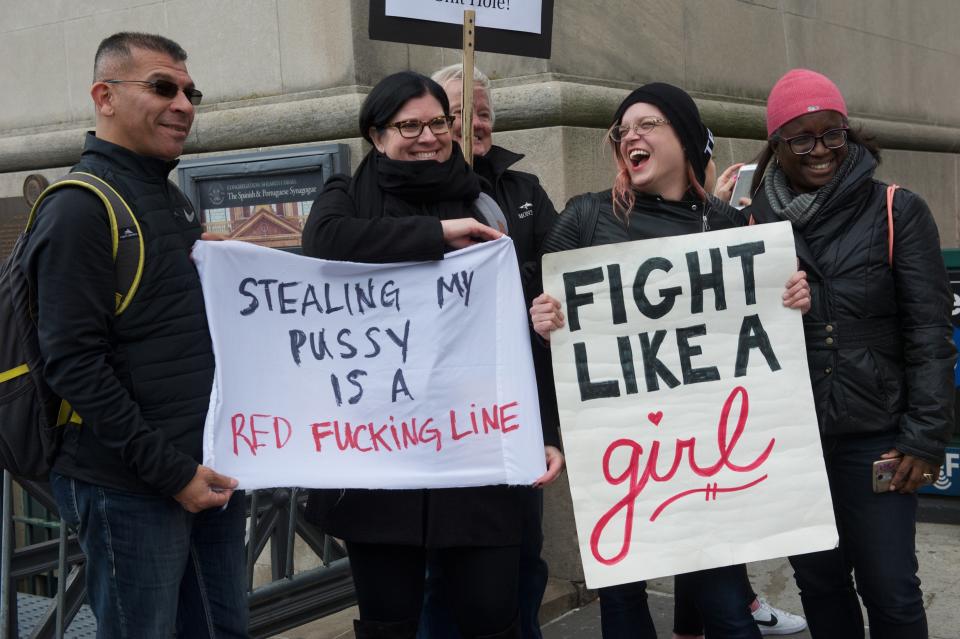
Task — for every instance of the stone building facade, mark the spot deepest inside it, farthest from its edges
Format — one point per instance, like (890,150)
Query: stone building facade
(293,72)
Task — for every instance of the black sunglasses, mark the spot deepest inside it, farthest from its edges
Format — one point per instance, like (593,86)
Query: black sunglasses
(165,89)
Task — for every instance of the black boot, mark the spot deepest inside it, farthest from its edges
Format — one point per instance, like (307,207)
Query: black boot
(385,629)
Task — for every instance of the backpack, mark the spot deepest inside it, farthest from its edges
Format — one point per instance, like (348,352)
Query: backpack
(30,413)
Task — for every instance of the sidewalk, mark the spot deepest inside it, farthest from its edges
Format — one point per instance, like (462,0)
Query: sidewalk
(938,550)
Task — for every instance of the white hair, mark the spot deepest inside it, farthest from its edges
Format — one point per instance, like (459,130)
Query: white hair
(455,72)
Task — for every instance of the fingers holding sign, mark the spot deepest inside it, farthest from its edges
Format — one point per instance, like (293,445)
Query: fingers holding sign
(555,463)
(797,292)
(207,489)
(466,231)
(546,316)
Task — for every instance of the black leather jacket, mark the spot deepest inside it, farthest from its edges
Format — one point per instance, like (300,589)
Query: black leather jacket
(879,342)
(668,218)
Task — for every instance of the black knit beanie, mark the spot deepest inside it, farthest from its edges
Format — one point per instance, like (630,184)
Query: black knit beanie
(684,117)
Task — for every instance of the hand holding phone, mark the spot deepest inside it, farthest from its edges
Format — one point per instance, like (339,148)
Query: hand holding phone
(741,190)
(885,470)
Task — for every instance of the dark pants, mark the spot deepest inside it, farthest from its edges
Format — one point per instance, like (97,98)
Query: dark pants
(154,569)
(721,596)
(436,621)
(876,542)
(480,584)
(686,615)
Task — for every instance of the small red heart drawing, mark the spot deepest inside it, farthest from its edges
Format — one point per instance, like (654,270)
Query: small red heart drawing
(655,417)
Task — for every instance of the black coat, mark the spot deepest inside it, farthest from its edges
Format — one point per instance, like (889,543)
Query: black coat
(527,207)
(436,518)
(879,340)
(140,380)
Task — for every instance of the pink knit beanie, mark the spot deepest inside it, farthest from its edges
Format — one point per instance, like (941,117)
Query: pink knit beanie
(799,92)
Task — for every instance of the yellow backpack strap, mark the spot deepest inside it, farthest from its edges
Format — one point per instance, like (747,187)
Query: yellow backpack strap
(126,242)
(126,239)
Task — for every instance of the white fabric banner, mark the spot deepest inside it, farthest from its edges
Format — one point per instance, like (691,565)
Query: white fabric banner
(514,15)
(685,405)
(345,375)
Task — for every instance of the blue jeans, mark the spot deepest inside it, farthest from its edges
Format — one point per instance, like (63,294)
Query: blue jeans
(436,621)
(154,569)
(876,542)
(721,595)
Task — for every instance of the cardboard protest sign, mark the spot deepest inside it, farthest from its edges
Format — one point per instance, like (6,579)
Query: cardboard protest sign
(518,27)
(685,405)
(345,375)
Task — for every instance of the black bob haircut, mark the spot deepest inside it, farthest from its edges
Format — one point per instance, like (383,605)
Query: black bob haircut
(389,96)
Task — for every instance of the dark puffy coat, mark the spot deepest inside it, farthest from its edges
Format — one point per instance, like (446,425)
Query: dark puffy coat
(140,381)
(879,340)
(436,518)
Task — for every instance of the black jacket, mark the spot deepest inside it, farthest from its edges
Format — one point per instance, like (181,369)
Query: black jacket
(479,516)
(652,217)
(879,336)
(527,207)
(140,381)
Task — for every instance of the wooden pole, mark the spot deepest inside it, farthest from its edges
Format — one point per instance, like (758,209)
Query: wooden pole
(466,113)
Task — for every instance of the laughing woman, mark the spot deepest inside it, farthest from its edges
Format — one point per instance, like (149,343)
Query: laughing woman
(878,345)
(660,146)
(413,198)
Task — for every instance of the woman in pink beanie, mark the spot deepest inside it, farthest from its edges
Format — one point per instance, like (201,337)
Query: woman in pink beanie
(879,349)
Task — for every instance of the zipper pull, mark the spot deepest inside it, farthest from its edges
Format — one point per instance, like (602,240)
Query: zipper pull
(703,216)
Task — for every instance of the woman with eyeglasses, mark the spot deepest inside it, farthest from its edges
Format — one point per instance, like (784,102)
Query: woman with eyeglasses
(413,198)
(879,349)
(661,149)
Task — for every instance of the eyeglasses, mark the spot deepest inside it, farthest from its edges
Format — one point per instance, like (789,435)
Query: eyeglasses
(643,127)
(165,89)
(804,144)
(413,128)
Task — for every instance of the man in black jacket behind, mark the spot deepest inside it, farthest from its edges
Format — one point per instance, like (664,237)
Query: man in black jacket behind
(529,215)
(163,534)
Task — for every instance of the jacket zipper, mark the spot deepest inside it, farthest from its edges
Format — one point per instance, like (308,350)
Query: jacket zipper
(703,218)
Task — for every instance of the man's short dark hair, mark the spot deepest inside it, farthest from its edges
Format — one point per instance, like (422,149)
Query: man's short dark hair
(118,46)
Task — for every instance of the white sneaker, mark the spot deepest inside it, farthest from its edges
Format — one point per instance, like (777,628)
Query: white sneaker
(773,621)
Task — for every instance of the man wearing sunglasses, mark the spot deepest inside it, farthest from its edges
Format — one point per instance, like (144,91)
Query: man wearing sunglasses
(163,535)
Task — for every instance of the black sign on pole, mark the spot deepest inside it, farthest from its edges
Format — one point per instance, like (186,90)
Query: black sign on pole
(440,34)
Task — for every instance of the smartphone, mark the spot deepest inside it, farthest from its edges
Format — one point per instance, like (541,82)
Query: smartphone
(742,187)
(883,471)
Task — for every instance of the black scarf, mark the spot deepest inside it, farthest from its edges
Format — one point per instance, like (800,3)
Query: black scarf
(382,187)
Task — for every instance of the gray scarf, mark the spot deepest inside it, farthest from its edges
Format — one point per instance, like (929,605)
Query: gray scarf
(800,209)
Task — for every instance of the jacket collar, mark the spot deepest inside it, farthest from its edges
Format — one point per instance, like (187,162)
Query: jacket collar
(761,211)
(496,162)
(126,160)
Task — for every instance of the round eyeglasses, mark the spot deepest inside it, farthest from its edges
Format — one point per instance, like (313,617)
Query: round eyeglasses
(643,127)
(413,128)
(804,144)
